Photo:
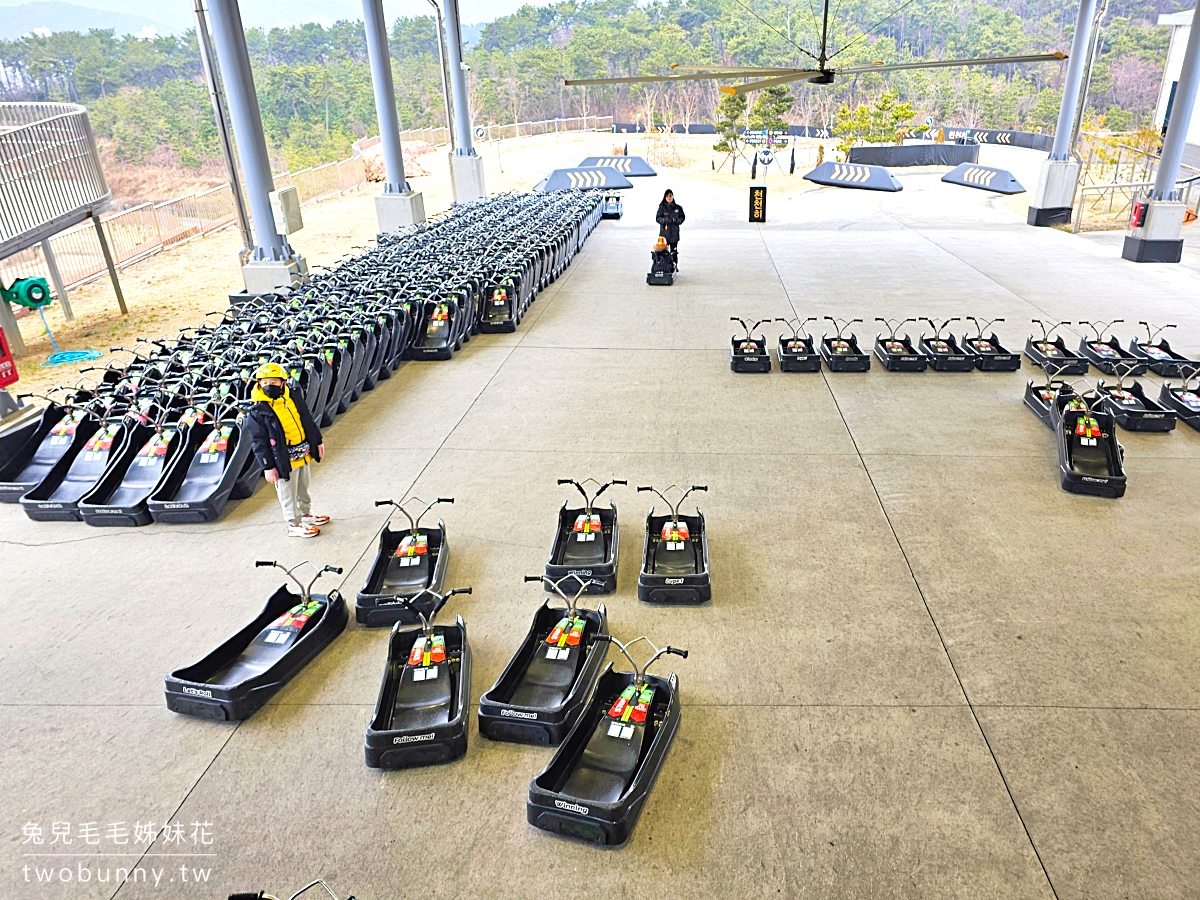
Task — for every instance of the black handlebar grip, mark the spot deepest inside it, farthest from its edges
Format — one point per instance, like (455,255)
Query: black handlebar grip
(564,481)
(645,488)
(259,563)
(383,503)
(699,487)
(445,500)
(534,577)
(682,653)
(620,481)
(336,570)
(246,895)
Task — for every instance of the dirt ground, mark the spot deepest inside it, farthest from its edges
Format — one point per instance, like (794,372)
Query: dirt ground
(180,286)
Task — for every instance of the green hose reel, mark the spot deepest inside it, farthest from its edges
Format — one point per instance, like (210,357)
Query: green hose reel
(32,293)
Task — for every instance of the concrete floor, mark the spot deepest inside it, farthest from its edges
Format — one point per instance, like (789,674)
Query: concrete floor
(953,679)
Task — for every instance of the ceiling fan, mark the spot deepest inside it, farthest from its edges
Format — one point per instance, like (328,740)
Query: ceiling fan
(768,77)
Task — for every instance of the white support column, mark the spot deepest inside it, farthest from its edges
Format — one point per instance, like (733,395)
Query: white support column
(1157,222)
(398,205)
(466,168)
(1059,177)
(274,264)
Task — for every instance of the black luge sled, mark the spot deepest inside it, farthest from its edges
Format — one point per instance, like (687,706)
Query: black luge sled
(841,352)
(1159,356)
(749,353)
(596,784)
(1183,400)
(1052,351)
(1107,355)
(17,428)
(942,349)
(1090,459)
(408,572)
(263,895)
(421,715)
(60,435)
(988,353)
(214,466)
(1131,408)
(236,679)
(438,336)
(544,687)
(56,498)
(1039,398)
(796,352)
(675,555)
(897,352)
(663,268)
(120,496)
(500,310)
(587,542)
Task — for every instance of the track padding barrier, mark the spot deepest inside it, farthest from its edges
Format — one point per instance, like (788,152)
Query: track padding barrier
(852,175)
(985,178)
(583,178)
(629,166)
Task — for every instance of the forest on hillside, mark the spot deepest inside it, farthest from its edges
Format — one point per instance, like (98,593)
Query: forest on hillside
(147,97)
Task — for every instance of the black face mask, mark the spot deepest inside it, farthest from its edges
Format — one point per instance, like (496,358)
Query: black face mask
(274,391)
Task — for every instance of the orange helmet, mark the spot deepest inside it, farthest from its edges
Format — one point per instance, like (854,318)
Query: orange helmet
(661,243)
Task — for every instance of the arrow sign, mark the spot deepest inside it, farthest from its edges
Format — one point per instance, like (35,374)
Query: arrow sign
(853,175)
(984,178)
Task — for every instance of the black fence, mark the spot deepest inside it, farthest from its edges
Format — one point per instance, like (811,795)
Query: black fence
(1001,137)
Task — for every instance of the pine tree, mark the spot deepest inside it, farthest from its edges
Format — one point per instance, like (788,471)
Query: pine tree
(728,119)
(770,107)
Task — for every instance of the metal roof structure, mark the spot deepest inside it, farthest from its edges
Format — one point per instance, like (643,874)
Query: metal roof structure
(50,176)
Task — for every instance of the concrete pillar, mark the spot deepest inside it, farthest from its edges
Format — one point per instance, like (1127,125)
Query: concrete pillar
(466,168)
(273,264)
(218,104)
(1060,173)
(1154,227)
(398,205)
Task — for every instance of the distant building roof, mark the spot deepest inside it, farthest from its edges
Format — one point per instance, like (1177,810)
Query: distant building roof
(1177,19)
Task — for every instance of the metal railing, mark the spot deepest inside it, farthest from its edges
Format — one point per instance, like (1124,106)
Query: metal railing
(144,230)
(1107,207)
(50,176)
(441,136)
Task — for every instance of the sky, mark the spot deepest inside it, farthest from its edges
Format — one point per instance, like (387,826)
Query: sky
(177,14)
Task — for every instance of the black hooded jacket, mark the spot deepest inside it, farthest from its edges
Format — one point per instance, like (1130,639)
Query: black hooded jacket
(670,217)
(267,440)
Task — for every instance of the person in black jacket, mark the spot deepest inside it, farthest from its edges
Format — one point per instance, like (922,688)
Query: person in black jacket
(285,438)
(670,217)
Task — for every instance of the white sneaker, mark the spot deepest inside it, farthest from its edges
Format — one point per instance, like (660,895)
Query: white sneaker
(311,519)
(303,531)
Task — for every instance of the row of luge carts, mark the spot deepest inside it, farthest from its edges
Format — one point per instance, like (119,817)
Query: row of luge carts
(158,437)
(1083,416)
(938,349)
(612,727)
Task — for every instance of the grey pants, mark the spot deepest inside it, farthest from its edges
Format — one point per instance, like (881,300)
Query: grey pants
(293,494)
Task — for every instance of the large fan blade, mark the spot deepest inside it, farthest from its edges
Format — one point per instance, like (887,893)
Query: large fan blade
(796,75)
(952,63)
(736,70)
(650,79)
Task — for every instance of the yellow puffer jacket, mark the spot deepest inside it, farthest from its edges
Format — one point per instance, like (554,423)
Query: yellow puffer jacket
(289,417)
